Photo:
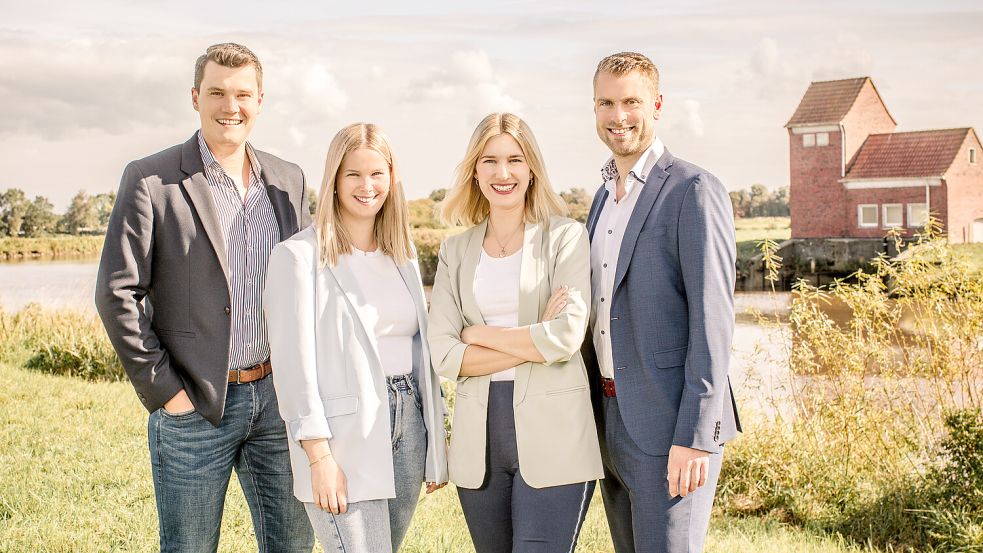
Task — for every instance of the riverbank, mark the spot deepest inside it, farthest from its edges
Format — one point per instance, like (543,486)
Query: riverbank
(16,249)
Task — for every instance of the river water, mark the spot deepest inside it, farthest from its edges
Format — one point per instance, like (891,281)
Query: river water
(758,361)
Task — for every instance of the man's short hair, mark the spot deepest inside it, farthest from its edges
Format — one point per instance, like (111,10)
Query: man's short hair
(624,63)
(228,54)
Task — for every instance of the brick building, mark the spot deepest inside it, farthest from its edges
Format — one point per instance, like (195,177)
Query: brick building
(852,176)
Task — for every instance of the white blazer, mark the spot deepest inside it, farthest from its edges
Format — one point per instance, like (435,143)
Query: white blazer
(328,377)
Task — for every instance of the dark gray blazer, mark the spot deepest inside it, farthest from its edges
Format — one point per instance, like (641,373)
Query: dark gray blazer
(164,244)
(672,312)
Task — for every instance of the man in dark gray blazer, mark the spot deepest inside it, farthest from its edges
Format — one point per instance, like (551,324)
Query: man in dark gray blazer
(180,294)
(662,276)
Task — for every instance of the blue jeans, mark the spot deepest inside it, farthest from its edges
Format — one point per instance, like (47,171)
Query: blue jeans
(379,525)
(192,463)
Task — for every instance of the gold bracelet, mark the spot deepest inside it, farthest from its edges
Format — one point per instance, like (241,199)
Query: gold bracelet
(318,460)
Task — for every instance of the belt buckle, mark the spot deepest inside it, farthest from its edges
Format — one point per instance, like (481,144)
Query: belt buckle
(238,376)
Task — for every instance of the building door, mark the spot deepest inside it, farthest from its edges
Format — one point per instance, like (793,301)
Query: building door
(978,230)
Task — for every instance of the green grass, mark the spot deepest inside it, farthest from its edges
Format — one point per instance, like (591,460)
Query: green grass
(75,476)
(972,252)
(49,247)
(759,228)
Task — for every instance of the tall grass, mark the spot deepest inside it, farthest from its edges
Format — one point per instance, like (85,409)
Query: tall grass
(860,419)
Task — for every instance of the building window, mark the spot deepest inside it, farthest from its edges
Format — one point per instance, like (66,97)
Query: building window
(892,215)
(867,215)
(972,156)
(822,139)
(917,215)
(808,140)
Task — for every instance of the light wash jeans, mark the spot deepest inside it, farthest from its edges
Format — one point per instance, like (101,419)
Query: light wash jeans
(192,463)
(379,526)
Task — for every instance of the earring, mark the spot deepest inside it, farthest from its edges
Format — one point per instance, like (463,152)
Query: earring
(532,180)
(475,179)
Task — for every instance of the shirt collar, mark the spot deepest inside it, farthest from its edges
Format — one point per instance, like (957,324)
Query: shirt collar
(640,171)
(211,163)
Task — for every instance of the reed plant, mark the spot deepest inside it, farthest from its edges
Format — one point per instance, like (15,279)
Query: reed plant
(859,420)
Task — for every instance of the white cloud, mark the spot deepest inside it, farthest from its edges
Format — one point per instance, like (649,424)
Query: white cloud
(692,121)
(469,80)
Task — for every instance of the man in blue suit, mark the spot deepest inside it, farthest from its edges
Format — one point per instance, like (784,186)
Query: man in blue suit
(662,260)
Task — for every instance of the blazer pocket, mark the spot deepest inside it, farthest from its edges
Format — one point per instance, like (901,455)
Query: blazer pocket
(177,333)
(570,390)
(670,358)
(341,405)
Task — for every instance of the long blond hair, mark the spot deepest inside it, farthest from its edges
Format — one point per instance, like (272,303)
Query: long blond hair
(466,205)
(392,229)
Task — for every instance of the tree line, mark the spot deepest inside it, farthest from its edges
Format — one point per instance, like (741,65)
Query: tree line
(21,216)
(89,213)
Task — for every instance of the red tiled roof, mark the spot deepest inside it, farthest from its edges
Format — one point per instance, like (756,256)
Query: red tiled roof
(827,102)
(907,154)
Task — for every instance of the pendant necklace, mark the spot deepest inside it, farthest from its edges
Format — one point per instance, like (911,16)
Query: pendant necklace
(500,245)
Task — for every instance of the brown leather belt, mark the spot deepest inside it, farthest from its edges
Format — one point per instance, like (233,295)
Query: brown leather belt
(607,387)
(250,374)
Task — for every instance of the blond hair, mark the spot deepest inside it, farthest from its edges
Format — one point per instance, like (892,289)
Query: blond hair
(392,228)
(228,54)
(624,63)
(466,205)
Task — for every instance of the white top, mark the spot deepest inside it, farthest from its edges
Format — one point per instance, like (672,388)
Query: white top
(605,246)
(383,302)
(496,289)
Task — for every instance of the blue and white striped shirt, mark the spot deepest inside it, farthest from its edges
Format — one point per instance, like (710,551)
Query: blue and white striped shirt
(250,231)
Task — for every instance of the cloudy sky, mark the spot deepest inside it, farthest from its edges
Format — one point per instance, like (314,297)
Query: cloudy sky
(87,86)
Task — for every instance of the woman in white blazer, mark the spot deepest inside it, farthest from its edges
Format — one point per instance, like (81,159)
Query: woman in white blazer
(347,326)
(508,315)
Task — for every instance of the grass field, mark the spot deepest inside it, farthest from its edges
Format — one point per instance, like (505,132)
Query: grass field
(49,247)
(75,476)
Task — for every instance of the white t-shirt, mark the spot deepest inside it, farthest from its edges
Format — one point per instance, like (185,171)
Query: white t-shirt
(496,289)
(376,289)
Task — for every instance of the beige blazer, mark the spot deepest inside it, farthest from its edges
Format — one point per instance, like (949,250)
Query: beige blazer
(328,378)
(554,423)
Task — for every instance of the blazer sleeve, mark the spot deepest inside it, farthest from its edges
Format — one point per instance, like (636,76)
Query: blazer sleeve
(446,322)
(122,283)
(707,261)
(558,339)
(289,305)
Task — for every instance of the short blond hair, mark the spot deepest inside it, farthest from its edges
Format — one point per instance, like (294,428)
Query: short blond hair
(466,205)
(392,227)
(228,54)
(624,63)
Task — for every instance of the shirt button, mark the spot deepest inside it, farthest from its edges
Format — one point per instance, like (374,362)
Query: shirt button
(602,333)
(610,231)
(602,300)
(228,310)
(605,265)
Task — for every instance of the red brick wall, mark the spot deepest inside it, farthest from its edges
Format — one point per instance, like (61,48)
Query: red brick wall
(815,195)
(867,116)
(881,196)
(965,192)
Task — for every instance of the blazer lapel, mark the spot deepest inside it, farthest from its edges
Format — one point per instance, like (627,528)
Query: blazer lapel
(196,185)
(469,266)
(279,199)
(646,199)
(373,349)
(531,278)
(595,210)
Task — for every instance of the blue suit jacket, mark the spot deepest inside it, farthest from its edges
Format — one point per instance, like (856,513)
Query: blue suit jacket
(672,312)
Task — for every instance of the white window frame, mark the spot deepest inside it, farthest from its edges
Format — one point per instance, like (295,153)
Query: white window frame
(808,140)
(822,139)
(891,224)
(972,156)
(914,222)
(860,216)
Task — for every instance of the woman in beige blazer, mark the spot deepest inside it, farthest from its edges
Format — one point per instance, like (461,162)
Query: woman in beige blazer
(347,326)
(508,315)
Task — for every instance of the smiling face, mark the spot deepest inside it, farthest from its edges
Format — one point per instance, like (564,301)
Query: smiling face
(228,100)
(362,184)
(626,108)
(502,173)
